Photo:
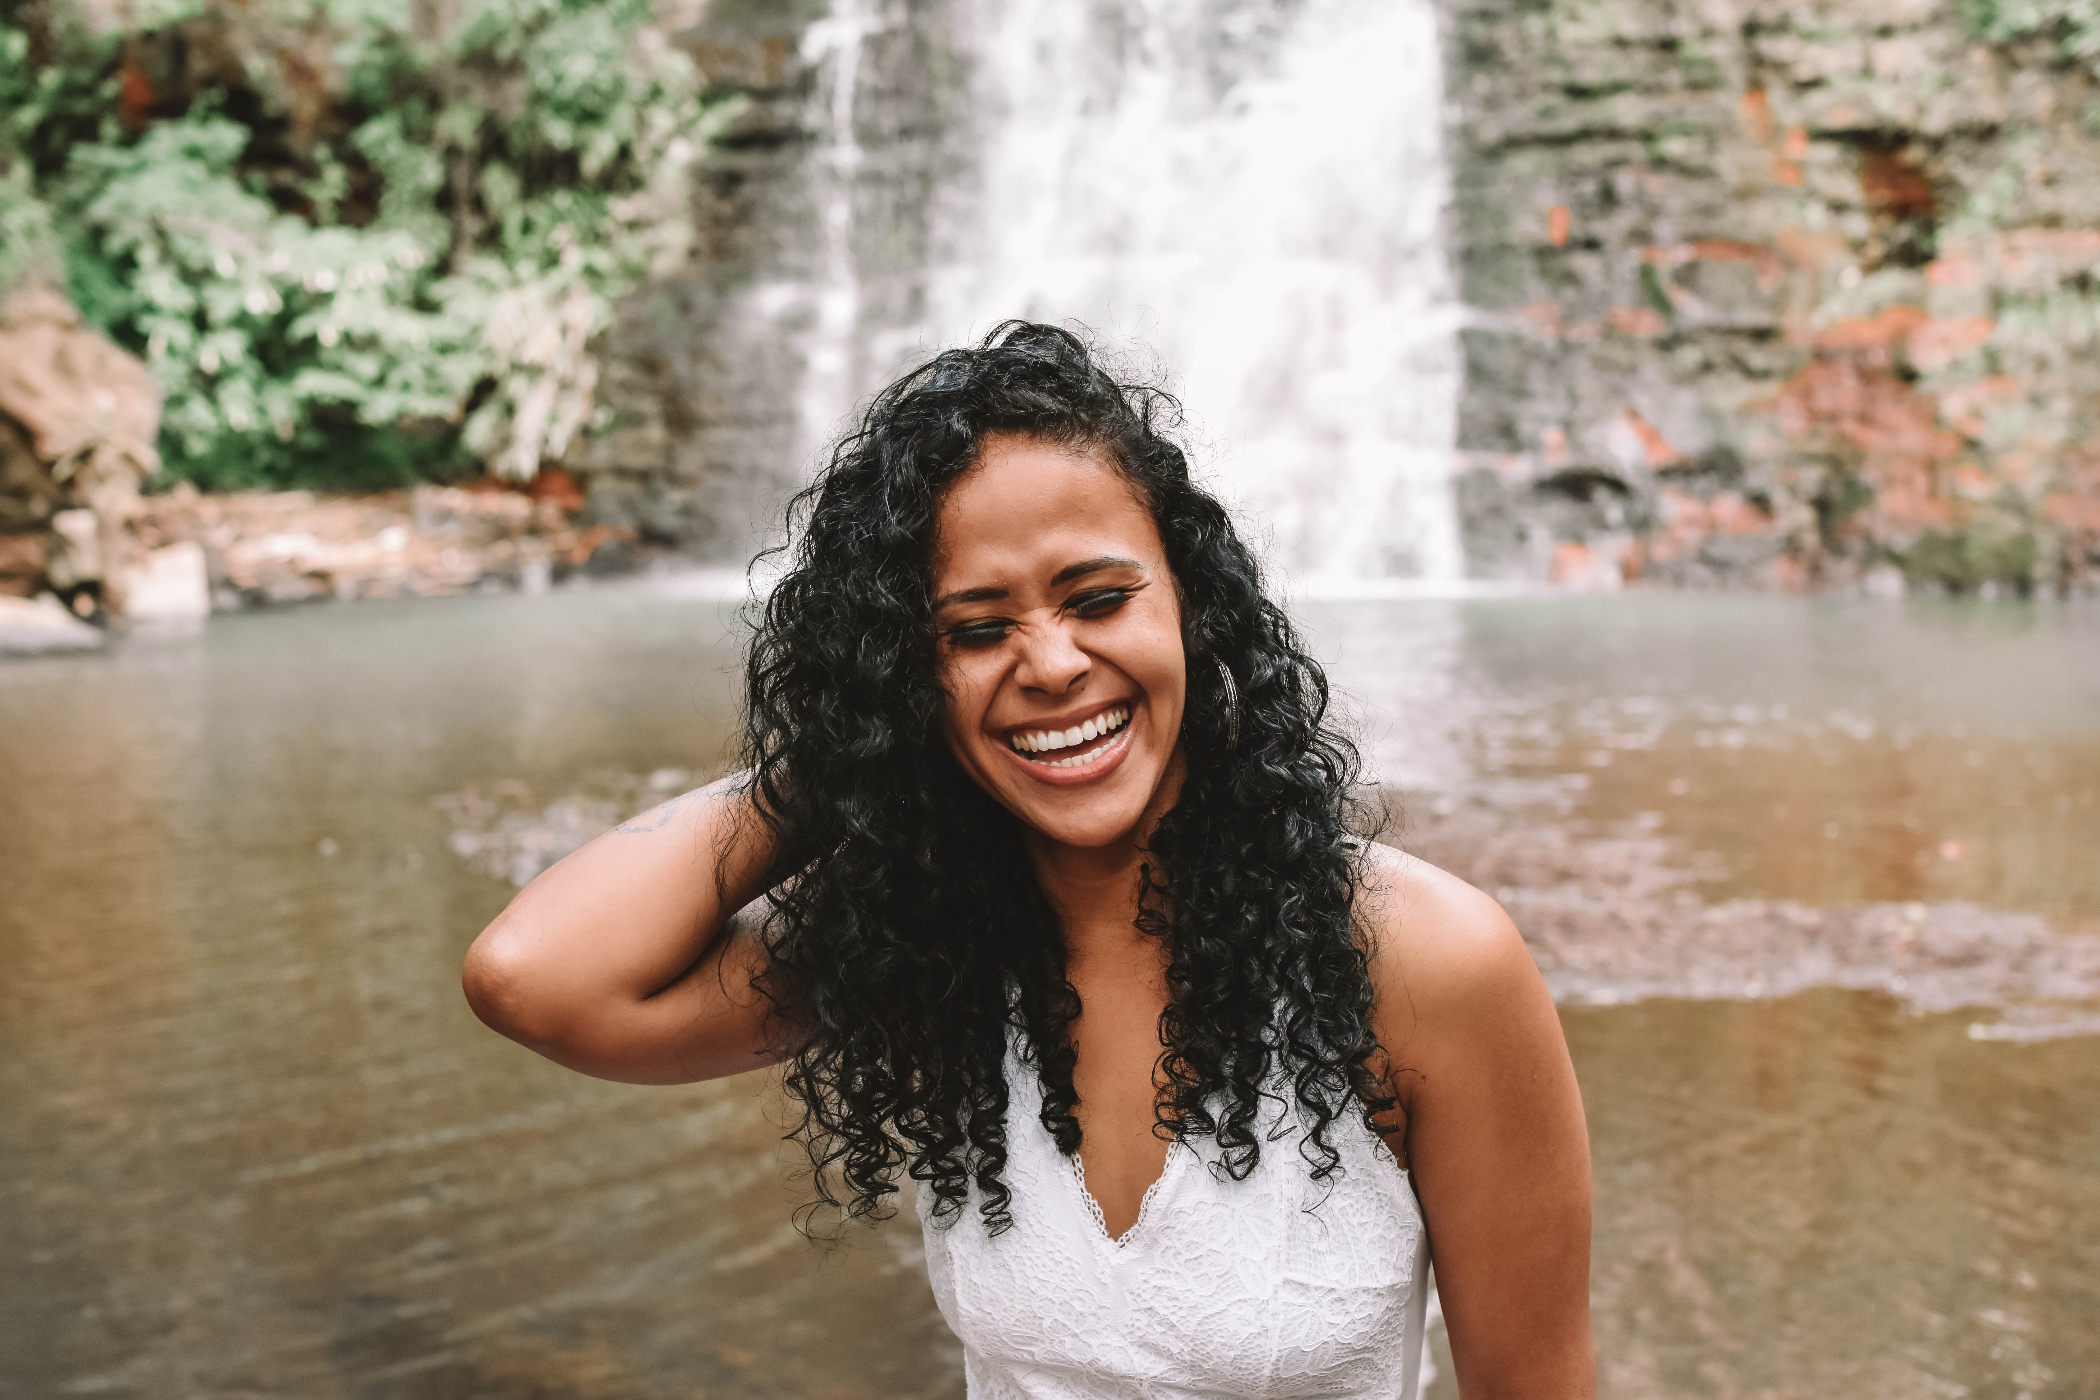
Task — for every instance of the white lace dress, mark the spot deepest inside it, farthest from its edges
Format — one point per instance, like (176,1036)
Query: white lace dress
(1276,1286)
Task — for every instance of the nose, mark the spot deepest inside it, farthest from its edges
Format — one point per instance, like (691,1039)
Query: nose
(1050,661)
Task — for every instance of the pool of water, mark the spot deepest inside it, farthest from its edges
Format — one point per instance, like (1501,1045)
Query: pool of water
(257,1146)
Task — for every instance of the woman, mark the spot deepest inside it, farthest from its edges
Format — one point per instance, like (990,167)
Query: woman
(1061,908)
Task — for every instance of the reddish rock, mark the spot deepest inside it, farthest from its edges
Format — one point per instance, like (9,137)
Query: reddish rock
(2074,512)
(555,487)
(21,565)
(1571,562)
(1637,320)
(83,401)
(1658,449)
(1956,269)
(1936,344)
(1889,182)
(1906,501)
(1756,111)
(1732,515)
(1871,333)
(1865,405)
(81,417)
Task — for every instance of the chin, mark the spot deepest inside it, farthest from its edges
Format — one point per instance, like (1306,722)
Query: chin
(1095,826)
(1087,814)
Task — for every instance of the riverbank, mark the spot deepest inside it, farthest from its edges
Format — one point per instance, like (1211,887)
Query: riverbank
(263,549)
(246,550)
(275,548)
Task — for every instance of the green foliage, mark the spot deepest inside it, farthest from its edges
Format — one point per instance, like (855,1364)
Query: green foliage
(1840,496)
(391,268)
(1998,548)
(2075,24)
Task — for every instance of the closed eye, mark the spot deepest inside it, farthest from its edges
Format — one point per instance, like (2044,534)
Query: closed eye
(983,633)
(1100,602)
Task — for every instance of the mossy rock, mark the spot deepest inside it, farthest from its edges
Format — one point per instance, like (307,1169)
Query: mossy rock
(1964,560)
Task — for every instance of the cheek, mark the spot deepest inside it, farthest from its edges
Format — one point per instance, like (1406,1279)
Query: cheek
(1158,662)
(965,695)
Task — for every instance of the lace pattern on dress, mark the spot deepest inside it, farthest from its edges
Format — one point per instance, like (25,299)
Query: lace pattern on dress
(1274,1287)
(1093,1207)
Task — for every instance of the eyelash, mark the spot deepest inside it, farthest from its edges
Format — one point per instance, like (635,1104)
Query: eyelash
(1087,606)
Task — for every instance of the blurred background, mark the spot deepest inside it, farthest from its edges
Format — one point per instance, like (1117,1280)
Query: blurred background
(1677,425)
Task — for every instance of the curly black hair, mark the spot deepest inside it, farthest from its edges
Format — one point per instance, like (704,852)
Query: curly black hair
(908,937)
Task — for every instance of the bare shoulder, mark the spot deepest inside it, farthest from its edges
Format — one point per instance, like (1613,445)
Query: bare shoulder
(1489,1121)
(1441,950)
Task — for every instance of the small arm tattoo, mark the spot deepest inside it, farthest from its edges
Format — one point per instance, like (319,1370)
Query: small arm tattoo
(658,817)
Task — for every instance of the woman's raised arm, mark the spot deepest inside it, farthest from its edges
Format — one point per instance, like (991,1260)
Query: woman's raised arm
(627,960)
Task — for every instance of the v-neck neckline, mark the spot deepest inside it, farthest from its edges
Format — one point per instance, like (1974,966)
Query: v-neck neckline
(1144,1210)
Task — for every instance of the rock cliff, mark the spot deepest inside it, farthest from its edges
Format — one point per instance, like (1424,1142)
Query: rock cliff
(1775,294)
(78,418)
(813,210)
(1756,294)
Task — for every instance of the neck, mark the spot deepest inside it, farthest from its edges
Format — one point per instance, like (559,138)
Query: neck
(1094,889)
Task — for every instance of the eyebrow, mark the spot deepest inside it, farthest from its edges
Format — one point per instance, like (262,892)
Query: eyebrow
(1063,576)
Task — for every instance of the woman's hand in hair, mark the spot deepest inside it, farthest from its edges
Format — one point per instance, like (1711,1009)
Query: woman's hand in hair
(629,959)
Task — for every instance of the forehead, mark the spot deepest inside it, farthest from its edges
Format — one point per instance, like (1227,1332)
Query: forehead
(1028,505)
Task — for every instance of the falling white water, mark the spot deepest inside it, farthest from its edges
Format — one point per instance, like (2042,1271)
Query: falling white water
(1254,193)
(835,44)
(1249,194)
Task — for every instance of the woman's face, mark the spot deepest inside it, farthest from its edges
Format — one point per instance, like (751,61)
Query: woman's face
(1059,638)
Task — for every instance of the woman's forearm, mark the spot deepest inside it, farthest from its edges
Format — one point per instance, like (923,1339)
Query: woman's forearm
(624,960)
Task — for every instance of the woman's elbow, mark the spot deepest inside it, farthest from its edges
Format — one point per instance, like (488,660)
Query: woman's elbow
(502,986)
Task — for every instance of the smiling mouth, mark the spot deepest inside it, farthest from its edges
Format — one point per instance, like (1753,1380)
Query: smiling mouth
(1076,747)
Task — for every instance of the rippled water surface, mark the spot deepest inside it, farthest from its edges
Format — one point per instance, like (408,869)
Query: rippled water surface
(256,1145)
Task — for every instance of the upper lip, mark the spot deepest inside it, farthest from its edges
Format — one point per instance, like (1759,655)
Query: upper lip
(1071,719)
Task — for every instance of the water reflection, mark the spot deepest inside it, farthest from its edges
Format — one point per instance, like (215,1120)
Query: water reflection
(1829,750)
(258,1146)
(1827,1196)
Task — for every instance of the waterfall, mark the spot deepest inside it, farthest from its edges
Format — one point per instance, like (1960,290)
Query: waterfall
(1254,191)
(1250,191)
(835,44)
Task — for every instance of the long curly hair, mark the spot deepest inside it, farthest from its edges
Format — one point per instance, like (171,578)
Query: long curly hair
(908,938)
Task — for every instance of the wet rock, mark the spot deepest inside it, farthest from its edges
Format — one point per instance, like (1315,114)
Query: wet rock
(21,564)
(29,495)
(39,626)
(612,559)
(1620,917)
(78,420)
(75,550)
(82,401)
(169,585)
(504,832)
(1609,918)
(284,548)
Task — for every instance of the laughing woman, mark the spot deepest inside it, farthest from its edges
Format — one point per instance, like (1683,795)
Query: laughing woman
(1045,885)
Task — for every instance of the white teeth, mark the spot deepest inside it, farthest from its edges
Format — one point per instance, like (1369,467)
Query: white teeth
(1076,760)
(1045,740)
